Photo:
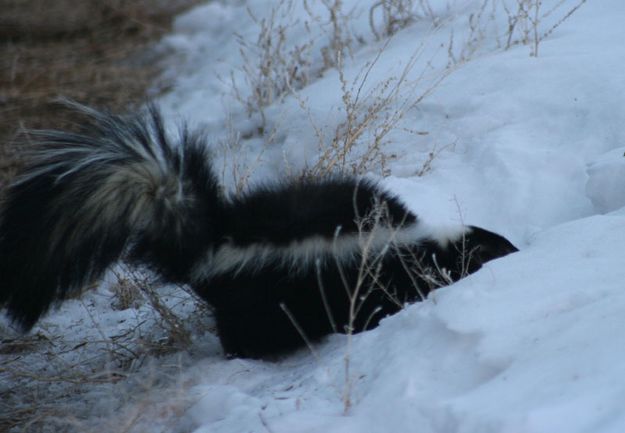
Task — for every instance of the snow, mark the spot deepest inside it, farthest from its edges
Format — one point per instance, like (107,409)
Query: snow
(604,175)
(529,146)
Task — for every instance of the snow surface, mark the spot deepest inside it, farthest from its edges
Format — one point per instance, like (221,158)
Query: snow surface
(530,147)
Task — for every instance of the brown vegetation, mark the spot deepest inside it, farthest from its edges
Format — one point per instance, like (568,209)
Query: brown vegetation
(94,51)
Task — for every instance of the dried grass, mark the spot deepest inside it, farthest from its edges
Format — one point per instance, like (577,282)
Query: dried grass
(93,51)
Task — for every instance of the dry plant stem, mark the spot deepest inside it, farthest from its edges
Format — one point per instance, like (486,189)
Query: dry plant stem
(301,332)
(525,21)
(324,298)
(513,20)
(334,51)
(373,114)
(178,335)
(269,67)
(367,280)
(563,19)
(238,170)
(535,21)
(475,37)
(230,148)
(396,14)
(340,37)
(354,298)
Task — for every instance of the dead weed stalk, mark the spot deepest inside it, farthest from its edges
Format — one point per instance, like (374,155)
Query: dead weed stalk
(368,118)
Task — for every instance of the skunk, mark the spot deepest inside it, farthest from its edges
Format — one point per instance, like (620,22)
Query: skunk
(281,265)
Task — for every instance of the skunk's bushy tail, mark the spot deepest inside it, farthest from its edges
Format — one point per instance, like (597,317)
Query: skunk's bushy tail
(84,198)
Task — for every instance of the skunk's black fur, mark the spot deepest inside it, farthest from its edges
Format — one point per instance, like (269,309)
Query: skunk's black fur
(84,197)
(281,264)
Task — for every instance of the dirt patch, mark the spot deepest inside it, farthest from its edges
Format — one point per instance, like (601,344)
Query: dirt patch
(94,51)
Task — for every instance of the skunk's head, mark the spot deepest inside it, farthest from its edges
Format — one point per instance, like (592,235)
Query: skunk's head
(468,251)
(478,246)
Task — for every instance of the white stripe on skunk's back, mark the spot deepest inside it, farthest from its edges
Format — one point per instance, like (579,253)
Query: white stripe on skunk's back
(303,254)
